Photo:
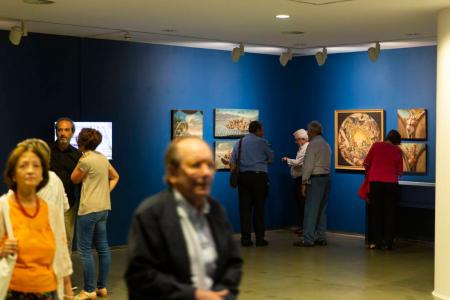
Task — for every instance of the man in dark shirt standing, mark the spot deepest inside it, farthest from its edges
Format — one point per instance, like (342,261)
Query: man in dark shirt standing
(253,182)
(64,159)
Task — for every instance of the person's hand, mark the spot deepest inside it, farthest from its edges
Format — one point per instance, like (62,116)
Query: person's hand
(210,295)
(304,189)
(68,292)
(284,158)
(9,247)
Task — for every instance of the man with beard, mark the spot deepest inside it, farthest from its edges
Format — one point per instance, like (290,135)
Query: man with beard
(63,161)
(180,244)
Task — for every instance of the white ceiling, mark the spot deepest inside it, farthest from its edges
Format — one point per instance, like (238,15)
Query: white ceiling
(340,25)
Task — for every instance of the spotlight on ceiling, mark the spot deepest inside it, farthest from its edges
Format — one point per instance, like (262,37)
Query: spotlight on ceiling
(321,57)
(237,52)
(285,57)
(374,52)
(39,1)
(127,35)
(16,33)
(282,16)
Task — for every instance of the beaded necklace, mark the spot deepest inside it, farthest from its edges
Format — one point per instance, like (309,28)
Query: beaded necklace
(22,209)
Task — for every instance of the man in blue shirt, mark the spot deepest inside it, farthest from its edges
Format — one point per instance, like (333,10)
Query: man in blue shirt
(253,182)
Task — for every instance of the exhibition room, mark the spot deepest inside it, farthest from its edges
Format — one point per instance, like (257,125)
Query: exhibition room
(146,72)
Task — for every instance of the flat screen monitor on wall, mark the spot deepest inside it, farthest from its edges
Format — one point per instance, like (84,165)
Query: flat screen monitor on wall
(105,129)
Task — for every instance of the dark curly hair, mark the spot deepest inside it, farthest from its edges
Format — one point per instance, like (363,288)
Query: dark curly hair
(394,137)
(89,138)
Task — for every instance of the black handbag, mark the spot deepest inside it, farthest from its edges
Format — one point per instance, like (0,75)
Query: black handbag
(234,170)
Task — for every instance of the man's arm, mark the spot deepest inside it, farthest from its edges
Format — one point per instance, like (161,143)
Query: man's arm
(308,163)
(268,151)
(77,175)
(113,177)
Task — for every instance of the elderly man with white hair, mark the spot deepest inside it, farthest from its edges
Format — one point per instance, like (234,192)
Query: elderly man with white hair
(296,164)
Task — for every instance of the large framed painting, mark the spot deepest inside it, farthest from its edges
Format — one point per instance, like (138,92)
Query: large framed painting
(412,123)
(234,123)
(414,157)
(222,154)
(355,132)
(187,123)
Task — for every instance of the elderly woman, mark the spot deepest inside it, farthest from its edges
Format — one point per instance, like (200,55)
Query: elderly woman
(384,165)
(99,179)
(43,263)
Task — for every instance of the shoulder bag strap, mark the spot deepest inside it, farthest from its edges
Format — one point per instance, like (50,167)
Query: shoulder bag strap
(238,162)
(7,220)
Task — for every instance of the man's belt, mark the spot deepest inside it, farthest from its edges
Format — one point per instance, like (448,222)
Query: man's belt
(254,172)
(319,175)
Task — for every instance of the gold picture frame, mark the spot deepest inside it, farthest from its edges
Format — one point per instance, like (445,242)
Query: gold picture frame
(355,132)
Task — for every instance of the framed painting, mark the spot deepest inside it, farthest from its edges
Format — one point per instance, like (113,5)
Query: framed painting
(222,154)
(412,123)
(233,122)
(355,132)
(414,158)
(187,123)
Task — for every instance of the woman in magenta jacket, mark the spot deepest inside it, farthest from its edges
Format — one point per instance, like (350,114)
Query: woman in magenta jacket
(384,165)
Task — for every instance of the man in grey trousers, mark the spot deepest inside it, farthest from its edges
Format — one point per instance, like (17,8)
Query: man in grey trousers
(316,186)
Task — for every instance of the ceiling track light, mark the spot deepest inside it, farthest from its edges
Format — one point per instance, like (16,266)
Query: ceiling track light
(126,35)
(285,57)
(374,52)
(321,57)
(17,32)
(39,1)
(237,52)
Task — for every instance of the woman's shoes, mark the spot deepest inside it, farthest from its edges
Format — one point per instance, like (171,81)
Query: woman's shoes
(83,295)
(372,246)
(103,292)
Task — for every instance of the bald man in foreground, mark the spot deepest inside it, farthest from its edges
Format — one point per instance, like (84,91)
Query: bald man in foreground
(180,243)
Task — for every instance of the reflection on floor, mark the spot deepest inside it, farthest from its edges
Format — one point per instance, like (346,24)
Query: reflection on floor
(344,269)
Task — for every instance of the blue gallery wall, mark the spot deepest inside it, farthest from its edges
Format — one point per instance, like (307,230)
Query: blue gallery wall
(38,81)
(403,78)
(136,85)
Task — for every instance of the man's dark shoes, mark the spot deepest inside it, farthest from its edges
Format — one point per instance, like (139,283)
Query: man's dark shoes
(261,243)
(246,243)
(302,244)
(321,243)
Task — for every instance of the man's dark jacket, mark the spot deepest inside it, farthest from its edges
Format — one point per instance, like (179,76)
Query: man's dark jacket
(158,260)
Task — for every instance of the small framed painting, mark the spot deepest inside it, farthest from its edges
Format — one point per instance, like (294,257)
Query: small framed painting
(412,123)
(222,154)
(187,123)
(233,122)
(414,157)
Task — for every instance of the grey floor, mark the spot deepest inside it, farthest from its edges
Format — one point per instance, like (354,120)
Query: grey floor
(344,269)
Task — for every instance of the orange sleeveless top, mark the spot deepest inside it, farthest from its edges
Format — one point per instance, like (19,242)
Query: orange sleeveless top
(33,272)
